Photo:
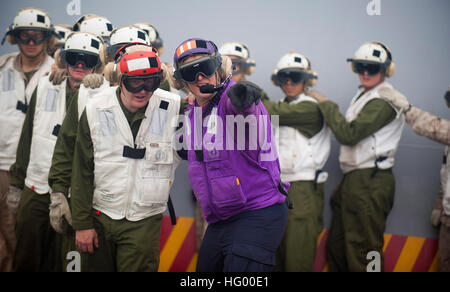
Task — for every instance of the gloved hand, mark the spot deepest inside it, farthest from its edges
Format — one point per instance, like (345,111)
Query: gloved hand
(13,198)
(57,76)
(447,97)
(317,96)
(395,98)
(244,94)
(93,80)
(59,208)
(436,215)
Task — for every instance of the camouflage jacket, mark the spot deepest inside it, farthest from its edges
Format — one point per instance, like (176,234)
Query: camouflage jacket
(428,125)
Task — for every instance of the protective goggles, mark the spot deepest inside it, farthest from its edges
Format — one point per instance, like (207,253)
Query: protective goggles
(205,66)
(24,36)
(137,84)
(371,68)
(240,66)
(295,76)
(73,58)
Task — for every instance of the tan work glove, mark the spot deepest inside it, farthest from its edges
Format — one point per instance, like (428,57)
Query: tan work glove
(395,98)
(93,80)
(59,209)
(436,214)
(58,76)
(13,198)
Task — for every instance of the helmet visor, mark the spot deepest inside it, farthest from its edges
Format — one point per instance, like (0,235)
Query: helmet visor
(204,66)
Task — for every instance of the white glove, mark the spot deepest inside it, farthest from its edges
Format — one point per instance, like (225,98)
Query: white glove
(13,198)
(395,98)
(93,80)
(59,208)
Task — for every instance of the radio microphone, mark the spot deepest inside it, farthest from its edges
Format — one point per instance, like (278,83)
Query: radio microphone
(209,88)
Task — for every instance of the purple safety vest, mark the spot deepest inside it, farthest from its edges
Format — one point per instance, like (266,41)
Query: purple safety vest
(226,179)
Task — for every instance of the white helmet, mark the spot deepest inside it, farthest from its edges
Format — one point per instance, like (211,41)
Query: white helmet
(239,50)
(128,34)
(81,42)
(235,49)
(97,25)
(375,53)
(122,36)
(295,61)
(155,39)
(30,18)
(84,42)
(63,31)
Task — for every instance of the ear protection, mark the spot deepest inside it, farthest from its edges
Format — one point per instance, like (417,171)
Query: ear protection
(389,64)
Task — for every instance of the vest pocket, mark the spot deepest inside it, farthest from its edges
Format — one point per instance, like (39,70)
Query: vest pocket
(157,168)
(227,192)
(288,161)
(154,191)
(158,161)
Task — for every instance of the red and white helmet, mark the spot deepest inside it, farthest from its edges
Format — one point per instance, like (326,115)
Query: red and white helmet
(140,63)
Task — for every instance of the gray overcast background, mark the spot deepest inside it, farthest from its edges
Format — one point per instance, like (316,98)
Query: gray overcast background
(328,32)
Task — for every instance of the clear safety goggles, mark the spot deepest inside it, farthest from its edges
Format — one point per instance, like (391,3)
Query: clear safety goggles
(135,84)
(25,36)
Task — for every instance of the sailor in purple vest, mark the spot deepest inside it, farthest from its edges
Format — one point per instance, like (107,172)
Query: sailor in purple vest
(233,163)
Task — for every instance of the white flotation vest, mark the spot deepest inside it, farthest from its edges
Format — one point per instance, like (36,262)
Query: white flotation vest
(48,118)
(14,99)
(133,178)
(377,150)
(302,159)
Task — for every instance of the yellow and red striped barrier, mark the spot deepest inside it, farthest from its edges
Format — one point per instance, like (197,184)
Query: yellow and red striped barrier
(401,253)
(178,249)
